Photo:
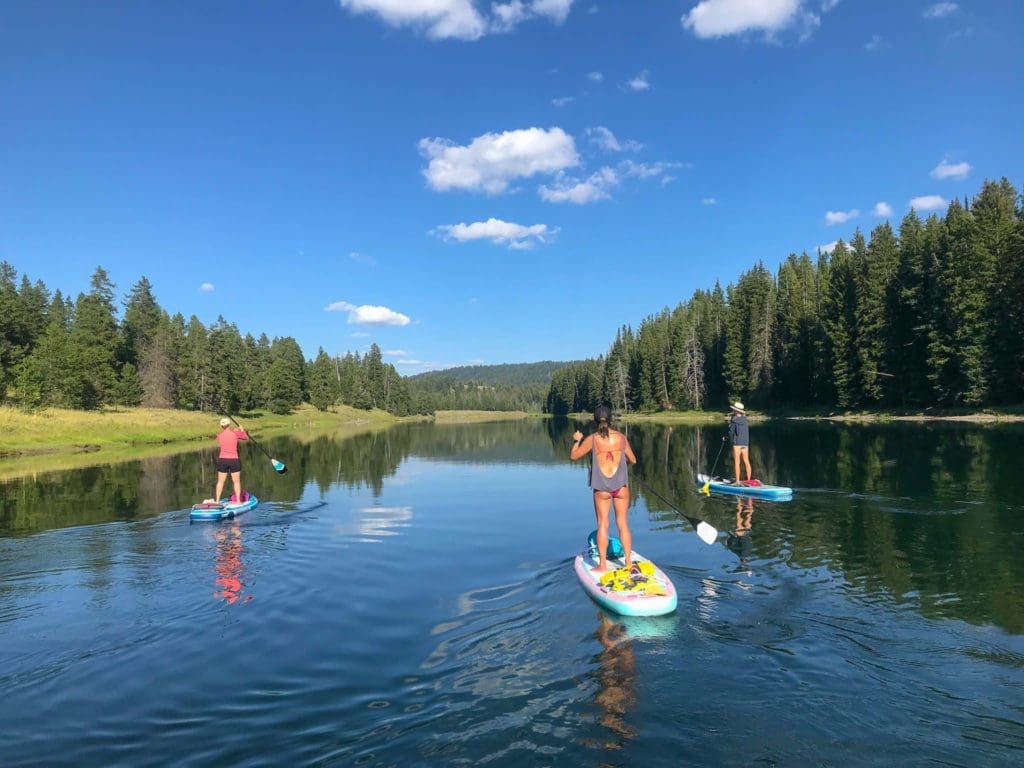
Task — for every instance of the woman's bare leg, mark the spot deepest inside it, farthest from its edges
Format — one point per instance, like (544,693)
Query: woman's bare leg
(602,503)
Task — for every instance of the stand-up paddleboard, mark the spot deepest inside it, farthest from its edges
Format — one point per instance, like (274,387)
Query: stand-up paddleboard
(643,590)
(721,485)
(218,510)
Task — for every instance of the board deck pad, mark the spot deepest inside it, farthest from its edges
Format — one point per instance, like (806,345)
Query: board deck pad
(642,590)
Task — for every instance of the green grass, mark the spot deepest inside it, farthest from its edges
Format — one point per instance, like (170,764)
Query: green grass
(55,430)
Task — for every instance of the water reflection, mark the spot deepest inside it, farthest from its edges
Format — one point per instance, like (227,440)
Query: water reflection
(739,540)
(229,568)
(616,681)
(930,514)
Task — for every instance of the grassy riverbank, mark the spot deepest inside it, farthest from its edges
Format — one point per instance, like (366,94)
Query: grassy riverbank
(1007,414)
(59,431)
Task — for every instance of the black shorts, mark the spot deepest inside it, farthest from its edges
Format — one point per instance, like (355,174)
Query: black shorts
(229,465)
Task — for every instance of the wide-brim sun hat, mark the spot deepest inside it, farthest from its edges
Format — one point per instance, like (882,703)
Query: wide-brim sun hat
(225,422)
(738,406)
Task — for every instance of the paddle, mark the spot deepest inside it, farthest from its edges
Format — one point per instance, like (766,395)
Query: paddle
(707,532)
(279,466)
(706,489)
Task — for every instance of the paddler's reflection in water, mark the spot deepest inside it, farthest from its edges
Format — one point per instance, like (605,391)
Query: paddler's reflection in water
(739,538)
(228,584)
(616,678)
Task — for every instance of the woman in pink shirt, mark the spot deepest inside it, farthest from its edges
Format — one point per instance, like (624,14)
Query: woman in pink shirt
(227,459)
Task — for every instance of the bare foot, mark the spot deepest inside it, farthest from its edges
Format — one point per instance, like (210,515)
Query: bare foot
(599,569)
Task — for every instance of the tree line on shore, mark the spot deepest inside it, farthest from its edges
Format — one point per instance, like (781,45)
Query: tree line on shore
(59,352)
(931,315)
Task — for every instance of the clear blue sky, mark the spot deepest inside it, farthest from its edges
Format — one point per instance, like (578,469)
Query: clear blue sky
(469,182)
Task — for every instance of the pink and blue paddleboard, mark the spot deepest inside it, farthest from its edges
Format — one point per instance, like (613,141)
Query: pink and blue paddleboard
(219,510)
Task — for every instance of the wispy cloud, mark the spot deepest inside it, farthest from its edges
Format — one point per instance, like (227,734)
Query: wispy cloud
(515,236)
(940,10)
(708,201)
(491,162)
(566,189)
(883,209)
(828,247)
(595,77)
(840,217)
(946,170)
(460,19)
(605,139)
(368,314)
(561,101)
(928,203)
(641,82)
(876,43)
(361,258)
(722,18)
(207,288)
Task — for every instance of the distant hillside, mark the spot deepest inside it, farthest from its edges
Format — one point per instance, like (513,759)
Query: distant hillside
(507,374)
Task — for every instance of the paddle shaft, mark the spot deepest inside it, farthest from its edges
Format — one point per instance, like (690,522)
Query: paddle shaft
(707,532)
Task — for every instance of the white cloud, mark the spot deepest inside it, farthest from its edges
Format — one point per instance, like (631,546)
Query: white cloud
(828,247)
(368,314)
(641,82)
(207,288)
(595,77)
(396,353)
(883,209)
(840,217)
(360,258)
(876,43)
(491,162)
(561,101)
(928,203)
(605,139)
(645,170)
(946,170)
(515,236)
(441,18)
(708,201)
(460,19)
(570,190)
(940,10)
(718,18)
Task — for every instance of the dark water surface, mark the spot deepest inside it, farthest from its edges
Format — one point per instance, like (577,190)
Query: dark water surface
(407,598)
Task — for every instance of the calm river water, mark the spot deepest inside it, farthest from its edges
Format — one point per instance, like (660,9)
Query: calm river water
(407,598)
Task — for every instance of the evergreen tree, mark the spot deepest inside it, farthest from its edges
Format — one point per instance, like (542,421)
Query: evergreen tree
(873,277)
(142,318)
(323,383)
(907,318)
(839,320)
(93,344)
(286,376)
(1001,238)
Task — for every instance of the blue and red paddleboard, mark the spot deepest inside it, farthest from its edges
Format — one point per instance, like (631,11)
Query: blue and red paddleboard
(219,510)
(761,491)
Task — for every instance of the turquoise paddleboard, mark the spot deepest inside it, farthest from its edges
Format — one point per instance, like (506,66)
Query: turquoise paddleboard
(721,485)
(643,591)
(211,510)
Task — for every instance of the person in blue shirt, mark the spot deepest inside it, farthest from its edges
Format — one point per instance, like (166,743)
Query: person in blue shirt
(739,436)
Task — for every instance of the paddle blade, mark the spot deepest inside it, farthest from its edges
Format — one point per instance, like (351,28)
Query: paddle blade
(708,534)
(279,467)
(706,489)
